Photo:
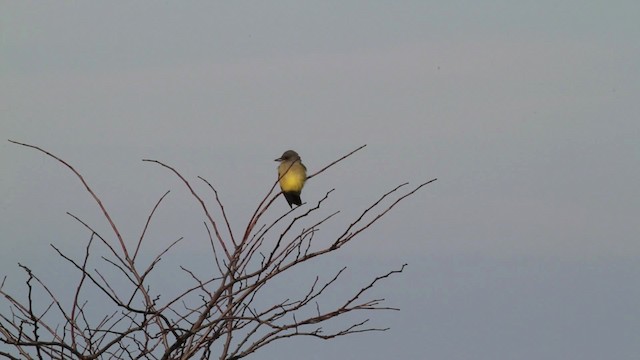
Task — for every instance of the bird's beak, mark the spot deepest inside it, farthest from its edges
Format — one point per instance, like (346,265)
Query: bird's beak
(278,159)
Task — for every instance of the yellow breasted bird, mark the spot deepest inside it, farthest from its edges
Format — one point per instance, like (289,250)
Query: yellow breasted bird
(291,174)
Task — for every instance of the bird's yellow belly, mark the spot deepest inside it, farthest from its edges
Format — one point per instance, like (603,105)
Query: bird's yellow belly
(292,182)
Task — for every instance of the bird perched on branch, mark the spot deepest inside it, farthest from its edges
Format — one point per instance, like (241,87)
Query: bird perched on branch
(291,175)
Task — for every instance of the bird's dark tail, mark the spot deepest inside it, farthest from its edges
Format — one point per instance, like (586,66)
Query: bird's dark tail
(293,198)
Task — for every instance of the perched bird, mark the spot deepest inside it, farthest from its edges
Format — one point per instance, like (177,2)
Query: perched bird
(291,174)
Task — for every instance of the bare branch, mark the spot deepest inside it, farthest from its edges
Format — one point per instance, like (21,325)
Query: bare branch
(86,186)
(146,225)
(224,310)
(335,162)
(202,203)
(224,213)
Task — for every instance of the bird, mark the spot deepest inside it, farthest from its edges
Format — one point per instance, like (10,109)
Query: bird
(292,175)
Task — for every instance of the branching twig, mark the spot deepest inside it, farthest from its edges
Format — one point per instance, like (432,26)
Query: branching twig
(224,313)
(335,162)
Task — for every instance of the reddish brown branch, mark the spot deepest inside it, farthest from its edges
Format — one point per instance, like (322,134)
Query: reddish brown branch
(146,225)
(199,199)
(224,213)
(223,311)
(335,162)
(88,188)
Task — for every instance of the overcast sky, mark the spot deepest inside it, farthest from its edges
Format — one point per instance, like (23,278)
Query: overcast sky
(528,113)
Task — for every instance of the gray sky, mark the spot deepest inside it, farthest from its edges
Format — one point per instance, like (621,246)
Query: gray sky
(528,113)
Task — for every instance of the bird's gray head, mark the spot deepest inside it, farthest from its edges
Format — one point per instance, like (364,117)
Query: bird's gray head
(288,155)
